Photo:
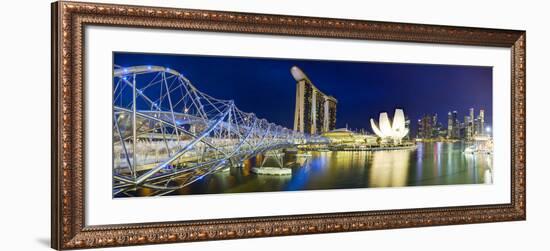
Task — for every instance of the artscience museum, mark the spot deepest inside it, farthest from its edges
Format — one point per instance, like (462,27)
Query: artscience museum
(390,132)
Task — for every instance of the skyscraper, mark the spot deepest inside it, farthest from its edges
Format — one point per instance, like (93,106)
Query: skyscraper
(453,125)
(481,122)
(456,126)
(471,125)
(450,125)
(315,111)
(467,127)
(428,127)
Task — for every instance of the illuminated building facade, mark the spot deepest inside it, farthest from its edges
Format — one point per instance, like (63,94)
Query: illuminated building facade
(480,123)
(315,112)
(427,127)
(475,126)
(391,131)
(453,125)
(345,137)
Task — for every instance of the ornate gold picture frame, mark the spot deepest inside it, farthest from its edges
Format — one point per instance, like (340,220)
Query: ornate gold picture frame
(69,228)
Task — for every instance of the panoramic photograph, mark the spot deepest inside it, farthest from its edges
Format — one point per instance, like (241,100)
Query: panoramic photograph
(197,124)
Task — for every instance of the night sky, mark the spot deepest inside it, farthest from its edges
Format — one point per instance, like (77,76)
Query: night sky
(265,86)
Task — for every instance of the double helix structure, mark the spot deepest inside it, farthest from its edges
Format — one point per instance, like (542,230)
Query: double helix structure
(167,134)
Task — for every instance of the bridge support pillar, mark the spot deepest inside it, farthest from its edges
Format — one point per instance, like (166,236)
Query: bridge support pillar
(278,156)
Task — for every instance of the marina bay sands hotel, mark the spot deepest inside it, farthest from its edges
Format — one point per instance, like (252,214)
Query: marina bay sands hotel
(315,112)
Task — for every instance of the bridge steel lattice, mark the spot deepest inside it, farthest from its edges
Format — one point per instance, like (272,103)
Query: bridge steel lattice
(167,134)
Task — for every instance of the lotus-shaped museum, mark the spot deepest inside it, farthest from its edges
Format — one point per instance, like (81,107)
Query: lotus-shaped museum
(388,130)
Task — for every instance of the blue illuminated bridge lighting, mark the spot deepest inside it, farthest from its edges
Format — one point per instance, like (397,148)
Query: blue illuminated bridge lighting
(181,133)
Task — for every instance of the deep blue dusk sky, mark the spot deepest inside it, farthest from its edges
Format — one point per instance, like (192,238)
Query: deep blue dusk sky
(363,89)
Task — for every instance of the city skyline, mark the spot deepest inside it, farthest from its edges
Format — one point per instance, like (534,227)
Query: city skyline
(363,89)
(453,125)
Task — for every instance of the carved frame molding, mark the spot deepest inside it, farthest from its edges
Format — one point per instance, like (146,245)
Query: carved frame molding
(69,20)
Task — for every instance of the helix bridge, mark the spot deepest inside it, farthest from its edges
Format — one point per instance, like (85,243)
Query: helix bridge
(168,134)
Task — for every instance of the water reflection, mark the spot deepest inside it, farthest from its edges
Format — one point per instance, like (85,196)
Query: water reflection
(428,164)
(389,168)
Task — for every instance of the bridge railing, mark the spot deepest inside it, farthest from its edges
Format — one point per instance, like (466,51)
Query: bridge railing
(168,134)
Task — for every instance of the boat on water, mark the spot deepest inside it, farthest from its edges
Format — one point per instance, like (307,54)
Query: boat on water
(481,145)
(473,149)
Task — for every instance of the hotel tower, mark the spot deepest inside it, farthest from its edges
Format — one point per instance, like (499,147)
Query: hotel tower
(315,112)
